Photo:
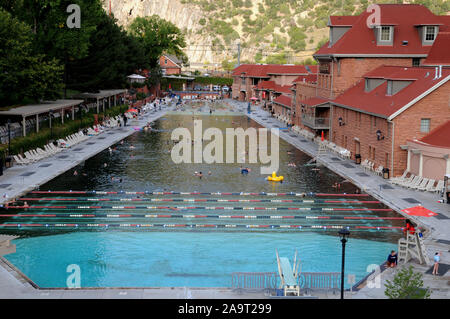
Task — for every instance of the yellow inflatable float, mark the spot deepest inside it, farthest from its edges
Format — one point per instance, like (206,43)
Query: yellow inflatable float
(275,178)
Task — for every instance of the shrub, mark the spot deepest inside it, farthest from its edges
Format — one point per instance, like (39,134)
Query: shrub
(406,285)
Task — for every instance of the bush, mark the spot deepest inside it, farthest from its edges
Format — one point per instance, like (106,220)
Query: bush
(214,80)
(406,285)
(137,85)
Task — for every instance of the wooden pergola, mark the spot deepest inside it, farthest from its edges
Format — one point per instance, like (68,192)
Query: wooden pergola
(48,107)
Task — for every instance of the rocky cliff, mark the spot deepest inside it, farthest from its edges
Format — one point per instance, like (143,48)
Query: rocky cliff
(185,17)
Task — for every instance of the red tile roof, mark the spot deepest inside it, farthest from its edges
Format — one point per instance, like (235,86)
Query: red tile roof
(283,89)
(266,85)
(263,70)
(360,40)
(440,52)
(342,21)
(271,85)
(313,101)
(283,100)
(440,136)
(388,106)
(310,78)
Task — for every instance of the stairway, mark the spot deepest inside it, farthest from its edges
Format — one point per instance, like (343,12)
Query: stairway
(412,247)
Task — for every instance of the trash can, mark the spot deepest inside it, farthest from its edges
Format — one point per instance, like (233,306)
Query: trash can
(357,158)
(386,173)
(8,161)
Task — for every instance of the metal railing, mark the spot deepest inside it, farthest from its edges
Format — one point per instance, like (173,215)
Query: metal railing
(316,122)
(254,281)
(319,280)
(268,281)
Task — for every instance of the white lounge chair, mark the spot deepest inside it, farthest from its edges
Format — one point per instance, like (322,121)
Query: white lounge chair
(398,178)
(379,170)
(406,181)
(423,183)
(19,161)
(412,182)
(428,186)
(438,188)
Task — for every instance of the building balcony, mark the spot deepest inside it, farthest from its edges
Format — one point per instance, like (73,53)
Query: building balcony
(316,123)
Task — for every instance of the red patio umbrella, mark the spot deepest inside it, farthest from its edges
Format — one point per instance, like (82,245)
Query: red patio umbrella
(132,110)
(253,98)
(322,136)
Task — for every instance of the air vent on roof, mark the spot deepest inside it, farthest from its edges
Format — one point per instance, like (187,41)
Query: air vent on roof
(404,42)
(427,75)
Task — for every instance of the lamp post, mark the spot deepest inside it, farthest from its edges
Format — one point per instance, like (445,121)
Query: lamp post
(343,234)
(9,137)
(50,113)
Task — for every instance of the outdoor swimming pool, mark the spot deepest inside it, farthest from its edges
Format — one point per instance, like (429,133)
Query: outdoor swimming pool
(162,240)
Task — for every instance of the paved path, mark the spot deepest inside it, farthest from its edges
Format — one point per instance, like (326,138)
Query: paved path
(19,180)
(437,238)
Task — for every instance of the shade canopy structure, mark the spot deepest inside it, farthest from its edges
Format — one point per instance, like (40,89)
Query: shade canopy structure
(132,111)
(46,107)
(101,95)
(419,211)
(136,77)
(254,98)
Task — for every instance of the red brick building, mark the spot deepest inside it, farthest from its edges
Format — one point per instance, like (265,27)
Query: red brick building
(170,64)
(266,81)
(377,116)
(378,78)
(404,36)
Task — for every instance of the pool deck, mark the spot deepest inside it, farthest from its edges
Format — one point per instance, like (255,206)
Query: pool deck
(396,197)
(19,180)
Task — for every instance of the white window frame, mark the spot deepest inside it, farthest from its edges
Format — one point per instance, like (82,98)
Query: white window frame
(425,33)
(381,33)
(422,121)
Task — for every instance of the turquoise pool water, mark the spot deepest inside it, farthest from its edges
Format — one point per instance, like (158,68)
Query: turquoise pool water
(165,257)
(193,259)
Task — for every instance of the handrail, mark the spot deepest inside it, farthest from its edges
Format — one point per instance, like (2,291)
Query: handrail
(269,280)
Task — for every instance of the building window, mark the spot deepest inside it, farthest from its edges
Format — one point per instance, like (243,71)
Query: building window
(415,62)
(389,87)
(425,125)
(165,61)
(429,33)
(385,34)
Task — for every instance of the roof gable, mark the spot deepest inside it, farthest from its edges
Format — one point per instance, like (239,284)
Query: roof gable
(378,103)
(360,39)
(440,136)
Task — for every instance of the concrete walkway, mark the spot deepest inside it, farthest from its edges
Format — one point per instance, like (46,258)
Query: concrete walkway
(19,180)
(437,237)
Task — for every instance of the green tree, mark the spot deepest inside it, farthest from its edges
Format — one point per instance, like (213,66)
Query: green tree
(23,73)
(157,36)
(113,54)
(48,19)
(406,285)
